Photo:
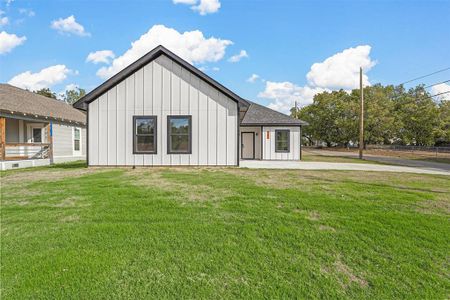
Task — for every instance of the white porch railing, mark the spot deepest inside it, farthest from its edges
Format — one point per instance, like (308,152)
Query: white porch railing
(20,151)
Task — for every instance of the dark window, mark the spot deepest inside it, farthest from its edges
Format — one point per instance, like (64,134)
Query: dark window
(282,140)
(144,134)
(179,134)
(37,135)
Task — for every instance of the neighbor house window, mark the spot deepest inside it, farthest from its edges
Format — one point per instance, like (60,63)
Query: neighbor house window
(144,134)
(179,134)
(76,139)
(282,140)
(37,135)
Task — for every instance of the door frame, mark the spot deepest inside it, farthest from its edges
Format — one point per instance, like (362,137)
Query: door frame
(242,143)
(30,127)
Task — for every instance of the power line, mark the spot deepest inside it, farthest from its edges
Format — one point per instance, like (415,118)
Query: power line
(438,94)
(436,84)
(414,79)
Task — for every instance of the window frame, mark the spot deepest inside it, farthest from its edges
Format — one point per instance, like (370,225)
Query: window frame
(189,117)
(75,139)
(288,140)
(135,135)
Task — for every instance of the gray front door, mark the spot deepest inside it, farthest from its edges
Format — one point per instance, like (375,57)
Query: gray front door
(248,145)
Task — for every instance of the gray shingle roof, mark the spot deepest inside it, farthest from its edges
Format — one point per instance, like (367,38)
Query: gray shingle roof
(261,115)
(16,100)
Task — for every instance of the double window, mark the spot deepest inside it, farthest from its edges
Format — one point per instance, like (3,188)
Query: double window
(144,134)
(179,134)
(282,140)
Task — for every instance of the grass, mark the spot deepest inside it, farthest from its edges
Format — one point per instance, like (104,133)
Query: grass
(73,232)
(309,156)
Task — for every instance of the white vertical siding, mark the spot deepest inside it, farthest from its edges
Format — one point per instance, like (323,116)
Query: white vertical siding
(163,88)
(102,130)
(269,144)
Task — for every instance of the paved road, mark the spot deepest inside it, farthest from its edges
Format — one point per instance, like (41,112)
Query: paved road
(429,165)
(303,165)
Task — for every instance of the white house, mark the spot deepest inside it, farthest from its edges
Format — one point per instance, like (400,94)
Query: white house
(162,111)
(36,130)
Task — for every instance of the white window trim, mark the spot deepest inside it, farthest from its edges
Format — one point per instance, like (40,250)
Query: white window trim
(74,152)
(30,127)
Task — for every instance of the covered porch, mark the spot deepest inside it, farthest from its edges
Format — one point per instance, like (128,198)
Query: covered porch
(23,139)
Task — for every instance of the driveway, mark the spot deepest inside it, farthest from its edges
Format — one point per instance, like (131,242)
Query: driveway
(429,165)
(306,165)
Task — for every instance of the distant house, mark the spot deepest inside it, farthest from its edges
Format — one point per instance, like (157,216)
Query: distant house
(35,130)
(162,111)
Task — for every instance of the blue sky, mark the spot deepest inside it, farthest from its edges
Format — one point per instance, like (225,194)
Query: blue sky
(394,41)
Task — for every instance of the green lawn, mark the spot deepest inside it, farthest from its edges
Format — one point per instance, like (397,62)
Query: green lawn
(309,156)
(78,233)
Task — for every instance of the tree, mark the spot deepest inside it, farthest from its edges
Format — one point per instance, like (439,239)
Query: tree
(46,92)
(72,96)
(419,117)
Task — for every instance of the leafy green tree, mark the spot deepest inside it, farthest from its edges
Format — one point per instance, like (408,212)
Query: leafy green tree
(419,117)
(46,92)
(72,96)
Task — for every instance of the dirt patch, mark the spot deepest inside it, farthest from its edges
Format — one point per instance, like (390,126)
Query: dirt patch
(70,219)
(438,206)
(326,228)
(313,216)
(190,192)
(345,275)
(46,175)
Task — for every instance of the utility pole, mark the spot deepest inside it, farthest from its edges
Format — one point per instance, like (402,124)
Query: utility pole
(361,115)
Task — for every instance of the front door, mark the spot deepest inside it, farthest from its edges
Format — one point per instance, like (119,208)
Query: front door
(248,145)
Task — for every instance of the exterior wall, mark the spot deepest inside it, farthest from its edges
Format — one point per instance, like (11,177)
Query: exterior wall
(63,141)
(12,130)
(257,131)
(163,88)
(269,144)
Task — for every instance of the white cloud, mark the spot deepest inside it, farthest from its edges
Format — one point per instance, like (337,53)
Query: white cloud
(207,7)
(284,94)
(102,56)
(340,71)
(190,45)
(203,7)
(253,78)
(8,2)
(441,88)
(10,41)
(216,69)
(43,79)
(238,57)
(69,26)
(27,12)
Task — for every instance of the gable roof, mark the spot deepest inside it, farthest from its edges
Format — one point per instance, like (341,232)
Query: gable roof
(261,115)
(144,60)
(17,100)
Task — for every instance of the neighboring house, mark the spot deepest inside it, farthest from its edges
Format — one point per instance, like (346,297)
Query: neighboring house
(162,111)
(36,130)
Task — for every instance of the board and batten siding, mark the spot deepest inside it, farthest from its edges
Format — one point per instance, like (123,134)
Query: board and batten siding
(163,88)
(269,144)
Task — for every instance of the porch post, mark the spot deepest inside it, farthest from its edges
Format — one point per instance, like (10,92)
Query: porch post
(50,141)
(2,138)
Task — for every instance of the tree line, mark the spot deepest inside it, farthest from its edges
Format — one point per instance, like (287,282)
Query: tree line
(69,96)
(393,115)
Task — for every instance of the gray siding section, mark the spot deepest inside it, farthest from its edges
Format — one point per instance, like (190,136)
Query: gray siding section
(163,88)
(269,144)
(63,140)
